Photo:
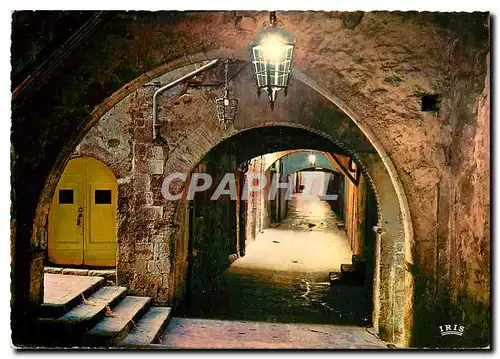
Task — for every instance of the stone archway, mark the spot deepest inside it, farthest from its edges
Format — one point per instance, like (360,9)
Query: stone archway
(396,228)
(389,266)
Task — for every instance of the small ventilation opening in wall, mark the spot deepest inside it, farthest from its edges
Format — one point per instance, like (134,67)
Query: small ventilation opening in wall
(430,102)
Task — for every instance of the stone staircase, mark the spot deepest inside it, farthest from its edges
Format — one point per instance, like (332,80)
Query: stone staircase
(82,312)
(350,274)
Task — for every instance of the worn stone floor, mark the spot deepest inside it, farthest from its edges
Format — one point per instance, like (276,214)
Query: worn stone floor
(284,276)
(62,288)
(189,333)
(278,295)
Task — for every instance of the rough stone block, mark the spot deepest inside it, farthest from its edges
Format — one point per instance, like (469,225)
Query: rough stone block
(246,23)
(53,270)
(124,273)
(143,251)
(161,250)
(155,167)
(157,153)
(36,283)
(75,271)
(140,266)
(158,210)
(144,231)
(163,294)
(139,121)
(142,284)
(143,134)
(125,204)
(158,266)
(140,150)
(109,274)
(151,212)
(153,268)
(141,165)
(157,181)
(149,198)
(126,251)
(142,182)
(143,199)
(124,189)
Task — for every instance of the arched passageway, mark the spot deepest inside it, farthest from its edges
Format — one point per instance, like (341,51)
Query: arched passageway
(408,154)
(153,233)
(246,262)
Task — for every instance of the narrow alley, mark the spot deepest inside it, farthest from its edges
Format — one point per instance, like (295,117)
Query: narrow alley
(281,286)
(284,275)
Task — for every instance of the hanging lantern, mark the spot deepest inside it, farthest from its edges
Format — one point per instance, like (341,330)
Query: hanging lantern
(271,54)
(226,106)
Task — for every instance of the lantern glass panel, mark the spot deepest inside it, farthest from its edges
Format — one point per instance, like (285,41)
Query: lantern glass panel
(272,55)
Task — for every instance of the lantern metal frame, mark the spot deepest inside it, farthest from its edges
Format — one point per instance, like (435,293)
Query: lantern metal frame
(226,106)
(272,74)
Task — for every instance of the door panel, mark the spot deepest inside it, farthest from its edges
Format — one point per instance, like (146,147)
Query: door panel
(100,236)
(100,246)
(66,227)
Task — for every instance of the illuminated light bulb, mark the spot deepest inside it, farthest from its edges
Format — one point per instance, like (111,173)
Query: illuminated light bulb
(272,48)
(312,159)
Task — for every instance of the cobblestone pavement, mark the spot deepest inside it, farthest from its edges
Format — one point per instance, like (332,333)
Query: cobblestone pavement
(187,333)
(284,276)
(311,215)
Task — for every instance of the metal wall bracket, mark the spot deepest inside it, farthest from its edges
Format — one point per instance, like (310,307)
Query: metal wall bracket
(354,179)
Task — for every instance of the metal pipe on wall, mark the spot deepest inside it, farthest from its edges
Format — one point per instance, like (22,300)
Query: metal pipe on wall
(172,84)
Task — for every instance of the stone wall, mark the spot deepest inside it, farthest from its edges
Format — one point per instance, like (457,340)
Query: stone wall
(470,246)
(254,214)
(214,232)
(355,207)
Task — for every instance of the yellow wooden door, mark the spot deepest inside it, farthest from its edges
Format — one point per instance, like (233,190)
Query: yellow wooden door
(82,219)
(100,233)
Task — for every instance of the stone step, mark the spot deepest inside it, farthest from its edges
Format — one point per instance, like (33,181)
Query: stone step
(347,268)
(91,309)
(63,292)
(112,328)
(335,278)
(69,329)
(149,328)
(108,274)
(94,307)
